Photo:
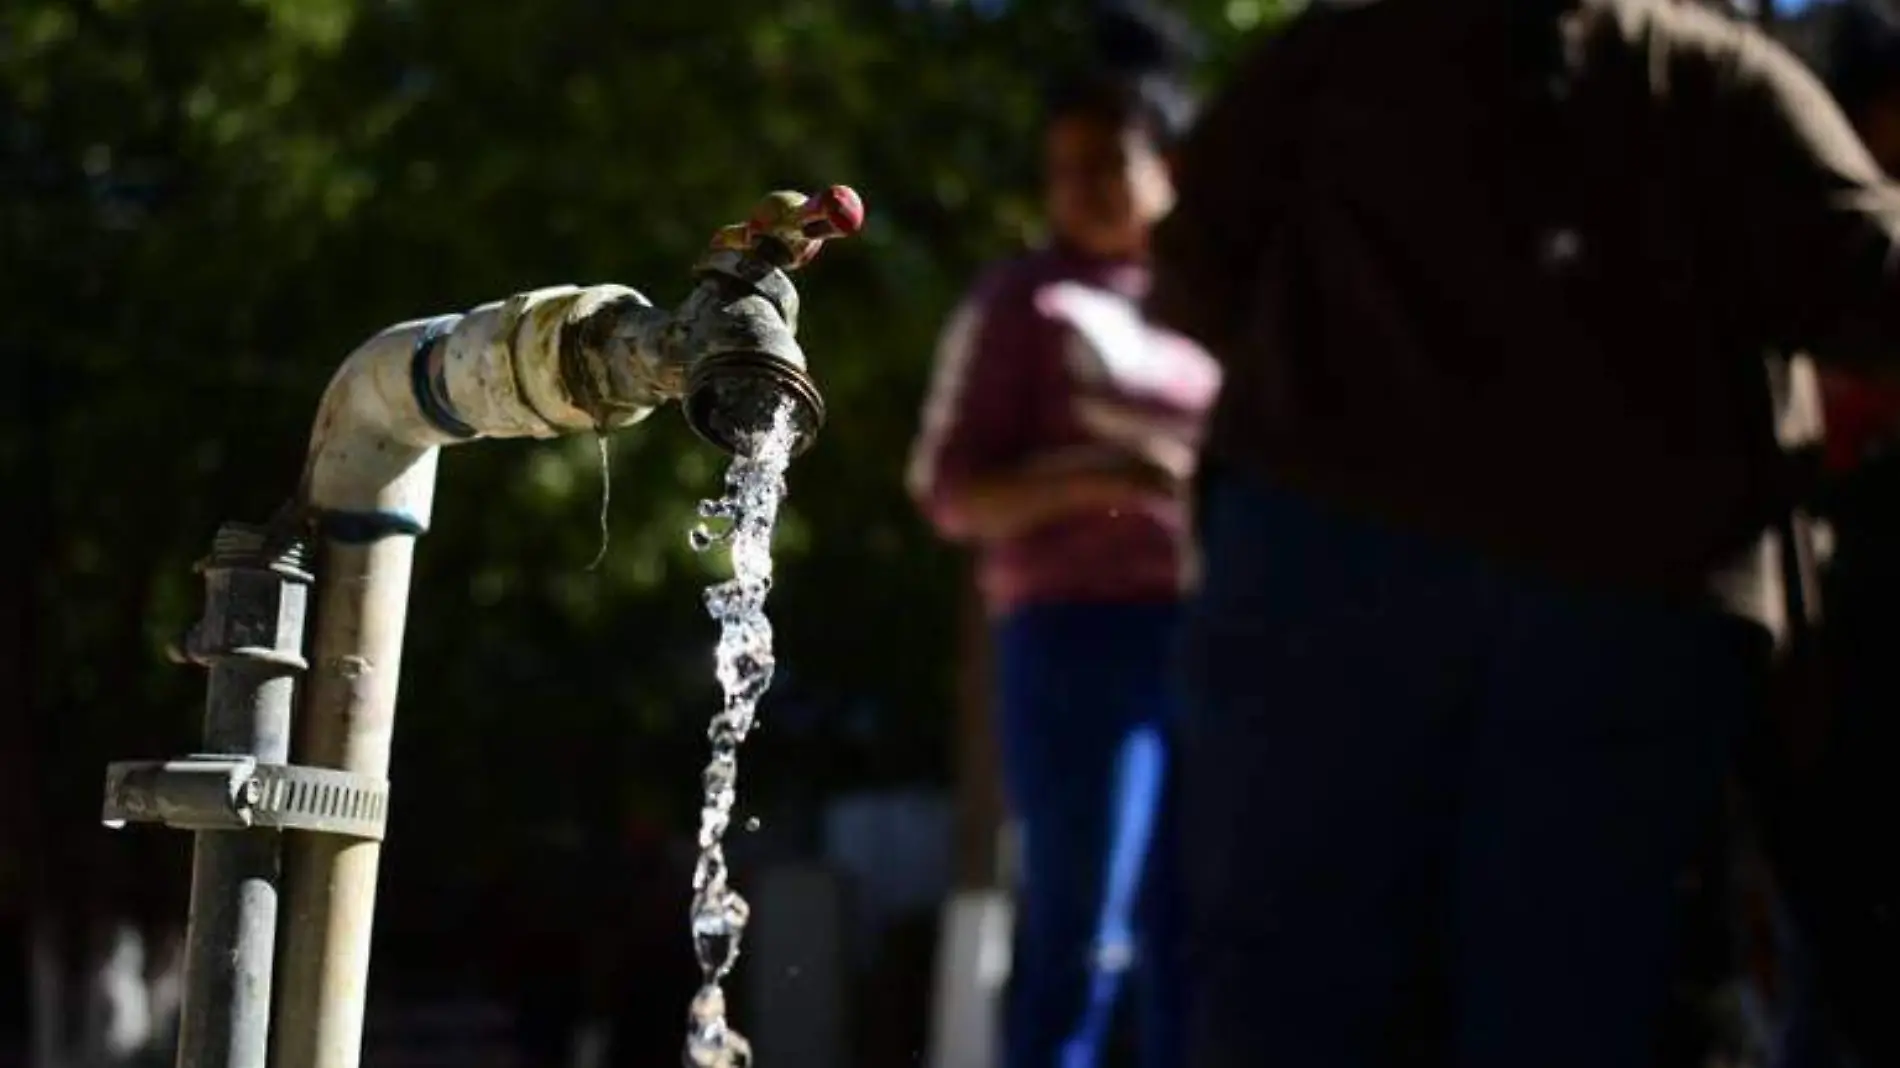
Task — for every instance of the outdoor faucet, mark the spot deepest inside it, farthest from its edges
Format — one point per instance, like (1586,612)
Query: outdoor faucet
(566,360)
(731,348)
(288,798)
(310,788)
(542,364)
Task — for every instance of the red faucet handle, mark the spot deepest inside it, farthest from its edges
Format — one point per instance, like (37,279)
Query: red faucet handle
(836,212)
(797,223)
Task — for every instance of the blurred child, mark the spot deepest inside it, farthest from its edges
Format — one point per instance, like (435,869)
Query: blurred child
(1056,439)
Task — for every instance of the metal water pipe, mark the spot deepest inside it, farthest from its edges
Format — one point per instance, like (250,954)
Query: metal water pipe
(542,364)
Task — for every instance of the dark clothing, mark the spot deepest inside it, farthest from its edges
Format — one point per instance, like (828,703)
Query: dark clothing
(1506,278)
(1387,737)
(1086,708)
(1831,826)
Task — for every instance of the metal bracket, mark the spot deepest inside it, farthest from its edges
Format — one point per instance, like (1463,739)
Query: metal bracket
(213,792)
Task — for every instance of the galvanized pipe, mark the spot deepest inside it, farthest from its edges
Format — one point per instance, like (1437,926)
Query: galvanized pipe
(348,716)
(251,637)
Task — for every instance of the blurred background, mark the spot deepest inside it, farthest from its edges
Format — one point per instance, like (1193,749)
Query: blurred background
(206,204)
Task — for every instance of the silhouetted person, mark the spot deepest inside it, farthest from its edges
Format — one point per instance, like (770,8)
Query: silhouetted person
(1488,589)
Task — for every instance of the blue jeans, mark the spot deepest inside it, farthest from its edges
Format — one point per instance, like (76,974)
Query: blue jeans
(1401,760)
(1085,709)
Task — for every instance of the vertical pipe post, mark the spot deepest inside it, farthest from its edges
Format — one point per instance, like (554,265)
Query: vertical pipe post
(251,637)
(348,717)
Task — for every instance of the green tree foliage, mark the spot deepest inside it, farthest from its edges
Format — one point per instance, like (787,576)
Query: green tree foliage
(208,203)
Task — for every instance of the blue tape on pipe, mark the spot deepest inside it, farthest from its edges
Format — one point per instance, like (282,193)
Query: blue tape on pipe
(362,528)
(428,378)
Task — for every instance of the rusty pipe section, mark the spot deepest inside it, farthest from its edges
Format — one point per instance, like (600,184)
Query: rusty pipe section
(534,365)
(540,364)
(743,357)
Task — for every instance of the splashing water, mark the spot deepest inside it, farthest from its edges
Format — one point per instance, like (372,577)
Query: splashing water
(755,484)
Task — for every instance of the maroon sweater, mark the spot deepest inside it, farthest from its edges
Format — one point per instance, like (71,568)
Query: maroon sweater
(1046,362)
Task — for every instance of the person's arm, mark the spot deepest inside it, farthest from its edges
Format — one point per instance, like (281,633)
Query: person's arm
(1000,504)
(1818,221)
(975,469)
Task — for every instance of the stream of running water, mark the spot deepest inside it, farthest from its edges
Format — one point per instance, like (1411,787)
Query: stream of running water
(746,515)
